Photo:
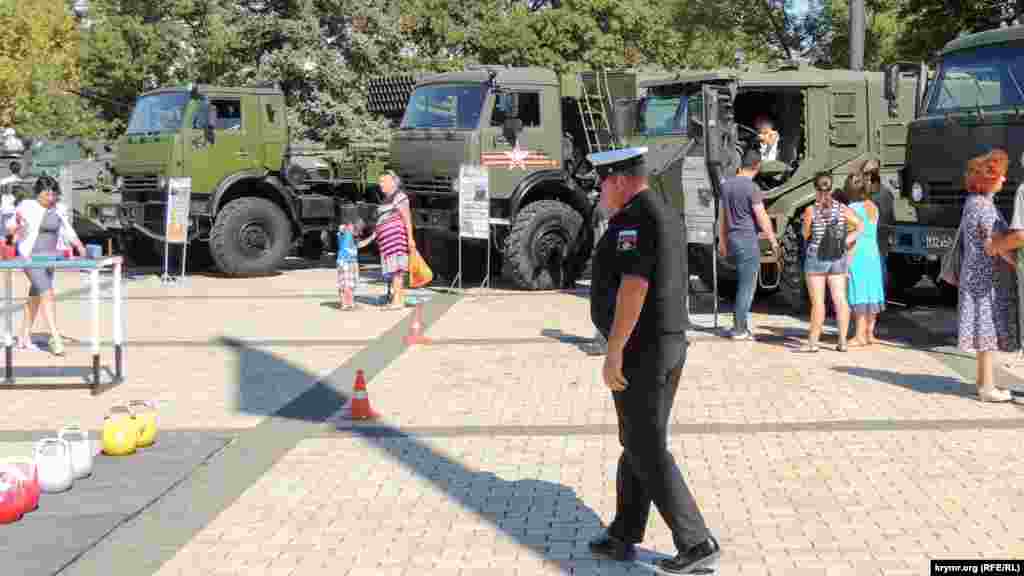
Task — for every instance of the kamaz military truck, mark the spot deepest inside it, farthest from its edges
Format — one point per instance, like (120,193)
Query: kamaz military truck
(254,194)
(531,129)
(827,119)
(975,102)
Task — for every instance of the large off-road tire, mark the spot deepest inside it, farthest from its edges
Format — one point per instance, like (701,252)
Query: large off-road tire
(541,251)
(250,237)
(792,287)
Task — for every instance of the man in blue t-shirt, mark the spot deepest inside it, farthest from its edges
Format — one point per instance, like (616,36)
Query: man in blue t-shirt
(741,216)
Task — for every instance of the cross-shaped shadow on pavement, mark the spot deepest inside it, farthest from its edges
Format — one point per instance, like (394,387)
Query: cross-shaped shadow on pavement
(546,518)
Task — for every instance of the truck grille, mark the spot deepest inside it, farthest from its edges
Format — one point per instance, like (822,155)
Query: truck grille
(441,185)
(140,188)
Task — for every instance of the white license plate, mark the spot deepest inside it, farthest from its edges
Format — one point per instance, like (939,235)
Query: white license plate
(109,211)
(938,240)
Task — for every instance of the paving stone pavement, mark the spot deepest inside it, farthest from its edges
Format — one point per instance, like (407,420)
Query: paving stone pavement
(497,447)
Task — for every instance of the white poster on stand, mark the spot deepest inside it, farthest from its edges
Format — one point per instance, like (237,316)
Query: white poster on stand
(474,203)
(179,194)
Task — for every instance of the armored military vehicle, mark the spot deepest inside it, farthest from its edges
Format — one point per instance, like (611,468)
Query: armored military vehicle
(531,128)
(973,104)
(254,192)
(827,120)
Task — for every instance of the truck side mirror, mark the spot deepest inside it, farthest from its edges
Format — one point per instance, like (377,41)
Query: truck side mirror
(712,132)
(211,121)
(892,82)
(624,117)
(511,129)
(512,101)
(921,88)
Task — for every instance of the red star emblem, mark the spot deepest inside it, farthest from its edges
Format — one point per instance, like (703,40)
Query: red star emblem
(517,157)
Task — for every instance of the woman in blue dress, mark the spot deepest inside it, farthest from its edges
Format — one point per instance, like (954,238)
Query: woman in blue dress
(866,287)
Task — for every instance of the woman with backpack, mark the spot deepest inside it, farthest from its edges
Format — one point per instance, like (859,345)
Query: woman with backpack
(827,242)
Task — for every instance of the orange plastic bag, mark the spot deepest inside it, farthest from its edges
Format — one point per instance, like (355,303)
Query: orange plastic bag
(419,273)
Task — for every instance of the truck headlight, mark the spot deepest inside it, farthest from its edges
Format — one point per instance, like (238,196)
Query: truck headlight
(916,191)
(161,182)
(118,182)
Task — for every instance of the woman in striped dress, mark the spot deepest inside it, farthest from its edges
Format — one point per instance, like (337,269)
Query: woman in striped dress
(394,236)
(827,210)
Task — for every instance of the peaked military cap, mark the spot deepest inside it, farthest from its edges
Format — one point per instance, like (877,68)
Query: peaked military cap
(612,161)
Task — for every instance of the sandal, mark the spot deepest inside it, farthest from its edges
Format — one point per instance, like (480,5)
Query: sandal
(842,348)
(57,345)
(809,348)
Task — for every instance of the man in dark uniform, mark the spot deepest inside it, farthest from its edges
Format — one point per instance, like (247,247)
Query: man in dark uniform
(638,303)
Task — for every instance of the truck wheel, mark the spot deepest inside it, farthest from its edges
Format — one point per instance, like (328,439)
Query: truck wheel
(539,250)
(792,287)
(250,237)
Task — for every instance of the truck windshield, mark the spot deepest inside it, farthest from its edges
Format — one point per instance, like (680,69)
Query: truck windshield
(47,157)
(158,113)
(986,77)
(456,106)
(662,115)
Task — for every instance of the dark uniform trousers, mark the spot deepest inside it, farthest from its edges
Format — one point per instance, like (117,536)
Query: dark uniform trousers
(647,472)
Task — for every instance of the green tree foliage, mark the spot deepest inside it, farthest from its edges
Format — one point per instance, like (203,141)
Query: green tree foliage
(883,30)
(930,24)
(39,68)
(323,52)
(132,46)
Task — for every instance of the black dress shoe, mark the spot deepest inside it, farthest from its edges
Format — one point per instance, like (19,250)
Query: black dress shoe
(699,556)
(607,545)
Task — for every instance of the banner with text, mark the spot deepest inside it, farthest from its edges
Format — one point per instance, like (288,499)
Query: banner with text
(474,203)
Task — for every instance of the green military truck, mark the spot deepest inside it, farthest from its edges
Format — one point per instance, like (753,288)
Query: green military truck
(531,128)
(974,102)
(87,164)
(254,193)
(827,120)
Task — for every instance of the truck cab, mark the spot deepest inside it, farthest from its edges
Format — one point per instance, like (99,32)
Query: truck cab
(975,102)
(530,130)
(827,120)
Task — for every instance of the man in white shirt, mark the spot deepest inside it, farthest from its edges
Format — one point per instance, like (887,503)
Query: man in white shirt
(769,138)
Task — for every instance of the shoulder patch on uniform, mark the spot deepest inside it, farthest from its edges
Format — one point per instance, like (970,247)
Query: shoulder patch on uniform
(626,240)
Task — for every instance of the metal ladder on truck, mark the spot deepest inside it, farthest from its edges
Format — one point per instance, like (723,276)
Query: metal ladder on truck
(593,111)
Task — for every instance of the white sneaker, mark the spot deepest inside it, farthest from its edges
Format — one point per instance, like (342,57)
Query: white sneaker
(746,335)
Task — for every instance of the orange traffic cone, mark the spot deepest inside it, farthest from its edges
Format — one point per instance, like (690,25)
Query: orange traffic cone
(359,406)
(415,335)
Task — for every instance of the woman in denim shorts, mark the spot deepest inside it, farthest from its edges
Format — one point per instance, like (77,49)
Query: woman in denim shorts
(826,209)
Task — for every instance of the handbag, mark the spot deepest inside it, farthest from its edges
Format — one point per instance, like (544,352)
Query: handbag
(950,271)
(419,273)
(833,241)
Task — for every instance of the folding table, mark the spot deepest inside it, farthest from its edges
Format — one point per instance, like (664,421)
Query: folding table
(93,267)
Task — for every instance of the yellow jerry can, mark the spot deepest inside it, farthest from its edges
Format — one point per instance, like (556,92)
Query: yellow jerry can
(145,416)
(120,432)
